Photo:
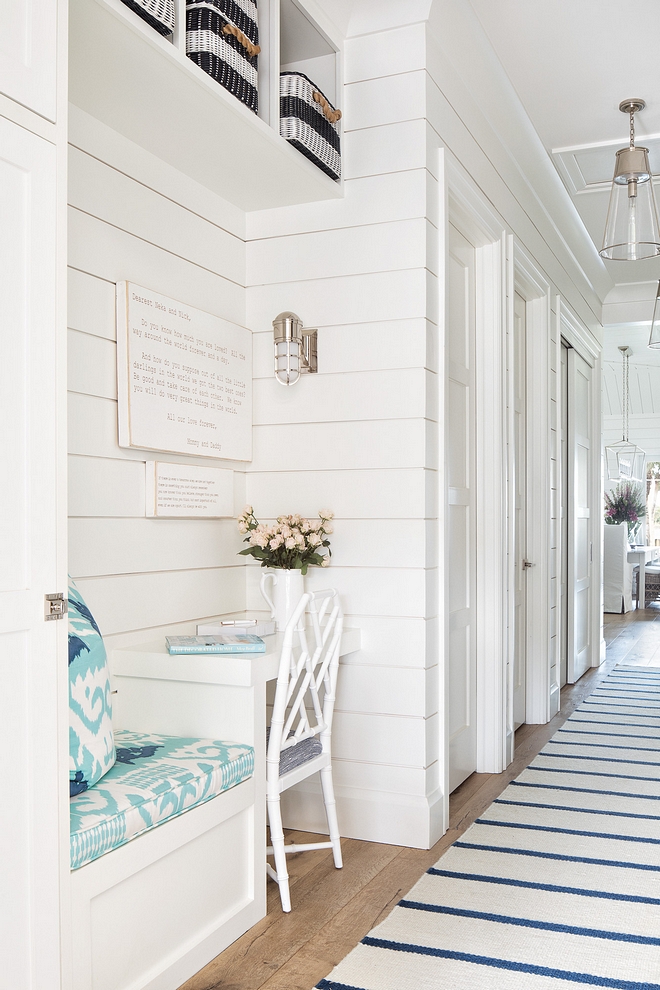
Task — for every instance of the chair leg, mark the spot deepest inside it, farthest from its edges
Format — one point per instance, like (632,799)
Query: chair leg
(277,842)
(331,814)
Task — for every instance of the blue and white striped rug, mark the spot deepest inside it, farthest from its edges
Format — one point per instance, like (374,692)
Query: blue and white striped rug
(557,885)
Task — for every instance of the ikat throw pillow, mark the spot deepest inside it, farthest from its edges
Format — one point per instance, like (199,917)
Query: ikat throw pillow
(91,743)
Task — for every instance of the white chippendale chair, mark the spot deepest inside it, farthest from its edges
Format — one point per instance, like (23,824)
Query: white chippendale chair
(301,724)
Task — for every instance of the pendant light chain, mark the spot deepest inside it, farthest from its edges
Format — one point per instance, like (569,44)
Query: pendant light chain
(632,128)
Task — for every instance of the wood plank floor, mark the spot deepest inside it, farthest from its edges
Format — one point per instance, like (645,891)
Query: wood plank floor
(334,909)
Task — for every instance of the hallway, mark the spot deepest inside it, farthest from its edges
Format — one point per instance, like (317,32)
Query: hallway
(634,638)
(333,910)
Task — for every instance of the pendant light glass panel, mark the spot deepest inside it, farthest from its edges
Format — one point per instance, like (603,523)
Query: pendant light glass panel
(654,339)
(625,461)
(632,231)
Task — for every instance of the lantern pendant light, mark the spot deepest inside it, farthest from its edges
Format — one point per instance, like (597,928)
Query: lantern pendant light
(654,339)
(632,231)
(625,460)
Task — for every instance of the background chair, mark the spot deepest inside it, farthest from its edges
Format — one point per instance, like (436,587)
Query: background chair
(301,724)
(652,584)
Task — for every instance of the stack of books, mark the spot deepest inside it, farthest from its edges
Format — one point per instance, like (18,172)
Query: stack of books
(221,644)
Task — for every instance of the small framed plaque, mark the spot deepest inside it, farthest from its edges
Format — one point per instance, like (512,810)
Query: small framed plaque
(188,491)
(184,378)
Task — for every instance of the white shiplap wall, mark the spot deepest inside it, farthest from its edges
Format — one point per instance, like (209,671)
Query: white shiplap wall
(362,437)
(358,437)
(136,572)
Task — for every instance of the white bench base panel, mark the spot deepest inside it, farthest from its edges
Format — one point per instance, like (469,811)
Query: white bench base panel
(150,914)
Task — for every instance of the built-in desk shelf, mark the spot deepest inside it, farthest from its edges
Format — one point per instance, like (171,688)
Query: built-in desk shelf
(143,86)
(196,694)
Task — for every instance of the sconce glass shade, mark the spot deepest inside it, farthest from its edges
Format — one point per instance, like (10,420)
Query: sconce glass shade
(654,339)
(287,362)
(295,349)
(632,231)
(625,461)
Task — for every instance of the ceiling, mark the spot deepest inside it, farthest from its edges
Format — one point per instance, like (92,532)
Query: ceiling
(571,63)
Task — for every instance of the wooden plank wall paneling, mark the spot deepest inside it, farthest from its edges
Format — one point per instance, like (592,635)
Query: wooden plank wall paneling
(362,437)
(139,573)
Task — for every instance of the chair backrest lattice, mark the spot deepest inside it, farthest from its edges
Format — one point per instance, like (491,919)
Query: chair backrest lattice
(306,684)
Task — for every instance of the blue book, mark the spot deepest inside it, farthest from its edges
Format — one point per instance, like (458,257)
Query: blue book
(221,644)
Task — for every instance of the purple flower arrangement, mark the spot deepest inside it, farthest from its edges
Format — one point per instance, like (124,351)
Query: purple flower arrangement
(625,504)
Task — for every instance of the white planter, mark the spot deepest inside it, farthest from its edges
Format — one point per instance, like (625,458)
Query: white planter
(287,589)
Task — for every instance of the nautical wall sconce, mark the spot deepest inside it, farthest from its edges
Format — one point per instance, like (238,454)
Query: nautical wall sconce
(295,349)
(632,231)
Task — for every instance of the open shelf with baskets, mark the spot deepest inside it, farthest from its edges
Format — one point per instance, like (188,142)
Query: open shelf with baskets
(143,85)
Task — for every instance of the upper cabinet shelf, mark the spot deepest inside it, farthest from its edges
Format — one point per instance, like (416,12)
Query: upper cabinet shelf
(143,86)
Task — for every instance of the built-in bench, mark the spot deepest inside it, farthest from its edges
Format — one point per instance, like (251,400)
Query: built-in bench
(154,778)
(166,840)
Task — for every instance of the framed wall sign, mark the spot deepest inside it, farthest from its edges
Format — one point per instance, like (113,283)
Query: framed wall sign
(184,378)
(187,491)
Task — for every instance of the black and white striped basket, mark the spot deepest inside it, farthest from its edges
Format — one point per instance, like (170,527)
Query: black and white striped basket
(222,37)
(309,122)
(158,13)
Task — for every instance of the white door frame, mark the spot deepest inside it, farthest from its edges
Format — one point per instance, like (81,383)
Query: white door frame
(473,216)
(541,699)
(589,349)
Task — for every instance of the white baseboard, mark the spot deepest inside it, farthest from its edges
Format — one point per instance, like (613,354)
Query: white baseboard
(555,699)
(376,816)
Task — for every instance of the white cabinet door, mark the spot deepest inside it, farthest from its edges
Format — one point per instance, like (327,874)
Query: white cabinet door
(31,675)
(460,475)
(28,48)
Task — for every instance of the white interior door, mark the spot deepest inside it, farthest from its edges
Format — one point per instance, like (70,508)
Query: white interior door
(520,513)
(563,517)
(31,696)
(579,513)
(459,466)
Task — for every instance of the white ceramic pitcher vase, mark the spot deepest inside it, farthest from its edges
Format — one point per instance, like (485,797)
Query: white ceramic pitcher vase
(288,588)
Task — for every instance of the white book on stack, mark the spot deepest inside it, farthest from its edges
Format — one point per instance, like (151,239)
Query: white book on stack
(256,627)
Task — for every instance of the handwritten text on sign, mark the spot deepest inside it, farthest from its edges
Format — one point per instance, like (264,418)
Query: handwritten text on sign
(184,378)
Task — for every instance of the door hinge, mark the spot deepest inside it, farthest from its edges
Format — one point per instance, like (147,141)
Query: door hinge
(526,564)
(55,606)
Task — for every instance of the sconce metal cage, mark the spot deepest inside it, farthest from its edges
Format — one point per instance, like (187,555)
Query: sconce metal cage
(295,349)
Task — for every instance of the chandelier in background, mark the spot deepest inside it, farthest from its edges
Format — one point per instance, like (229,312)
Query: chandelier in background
(625,460)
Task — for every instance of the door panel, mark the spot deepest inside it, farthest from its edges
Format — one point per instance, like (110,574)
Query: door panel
(459,447)
(520,519)
(29,524)
(563,517)
(28,39)
(579,515)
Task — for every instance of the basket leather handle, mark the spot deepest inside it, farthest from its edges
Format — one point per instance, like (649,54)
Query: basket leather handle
(332,115)
(250,48)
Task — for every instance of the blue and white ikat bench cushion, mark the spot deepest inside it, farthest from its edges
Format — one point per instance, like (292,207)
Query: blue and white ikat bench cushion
(154,778)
